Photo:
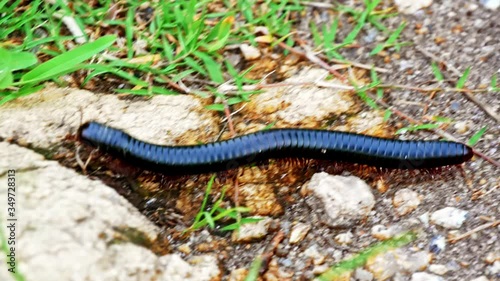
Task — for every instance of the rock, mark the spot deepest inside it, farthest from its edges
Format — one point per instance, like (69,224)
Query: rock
(490,4)
(345,199)
(299,232)
(424,276)
(238,274)
(494,269)
(197,268)
(249,52)
(344,238)
(449,217)
(305,105)
(405,201)
(252,231)
(424,218)
(439,269)
(313,253)
(363,275)
(381,232)
(84,216)
(387,265)
(411,6)
(492,257)
(45,118)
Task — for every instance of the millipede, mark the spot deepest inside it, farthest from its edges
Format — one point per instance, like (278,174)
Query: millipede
(276,144)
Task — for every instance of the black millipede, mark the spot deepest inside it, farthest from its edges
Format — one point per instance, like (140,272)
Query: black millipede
(275,144)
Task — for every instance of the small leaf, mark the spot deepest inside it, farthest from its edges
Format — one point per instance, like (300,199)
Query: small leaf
(477,136)
(463,79)
(437,73)
(429,126)
(387,115)
(216,106)
(494,82)
(213,68)
(67,61)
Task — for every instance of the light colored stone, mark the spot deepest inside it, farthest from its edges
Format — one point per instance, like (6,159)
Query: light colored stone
(406,201)
(345,199)
(249,52)
(344,238)
(439,269)
(494,269)
(252,231)
(313,253)
(411,6)
(46,117)
(381,232)
(424,276)
(387,265)
(363,275)
(299,232)
(301,104)
(57,204)
(449,217)
(490,4)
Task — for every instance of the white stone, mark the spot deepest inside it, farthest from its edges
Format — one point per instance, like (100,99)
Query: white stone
(387,265)
(68,224)
(405,201)
(252,231)
(249,52)
(449,217)
(481,278)
(411,6)
(439,269)
(491,4)
(345,199)
(299,232)
(344,238)
(424,276)
(363,275)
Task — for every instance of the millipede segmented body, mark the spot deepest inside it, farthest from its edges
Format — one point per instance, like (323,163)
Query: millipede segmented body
(276,143)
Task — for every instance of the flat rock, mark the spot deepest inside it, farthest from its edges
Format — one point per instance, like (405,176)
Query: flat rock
(345,199)
(45,118)
(449,217)
(67,225)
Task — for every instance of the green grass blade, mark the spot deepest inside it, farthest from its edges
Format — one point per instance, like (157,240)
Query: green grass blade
(361,258)
(477,136)
(437,73)
(463,79)
(392,38)
(67,61)
(494,83)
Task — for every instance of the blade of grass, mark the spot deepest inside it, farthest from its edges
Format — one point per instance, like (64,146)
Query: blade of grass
(437,73)
(392,38)
(463,79)
(477,136)
(66,61)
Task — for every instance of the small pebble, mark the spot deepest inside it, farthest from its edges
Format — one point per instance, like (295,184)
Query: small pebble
(411,6)
(299,232)
(406,201)
(249,52)
(490,4)
(439,269)
(313,253)
(449,217)
(424,276)
(481,278)
(344,238)
(363,275)
(252,231)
